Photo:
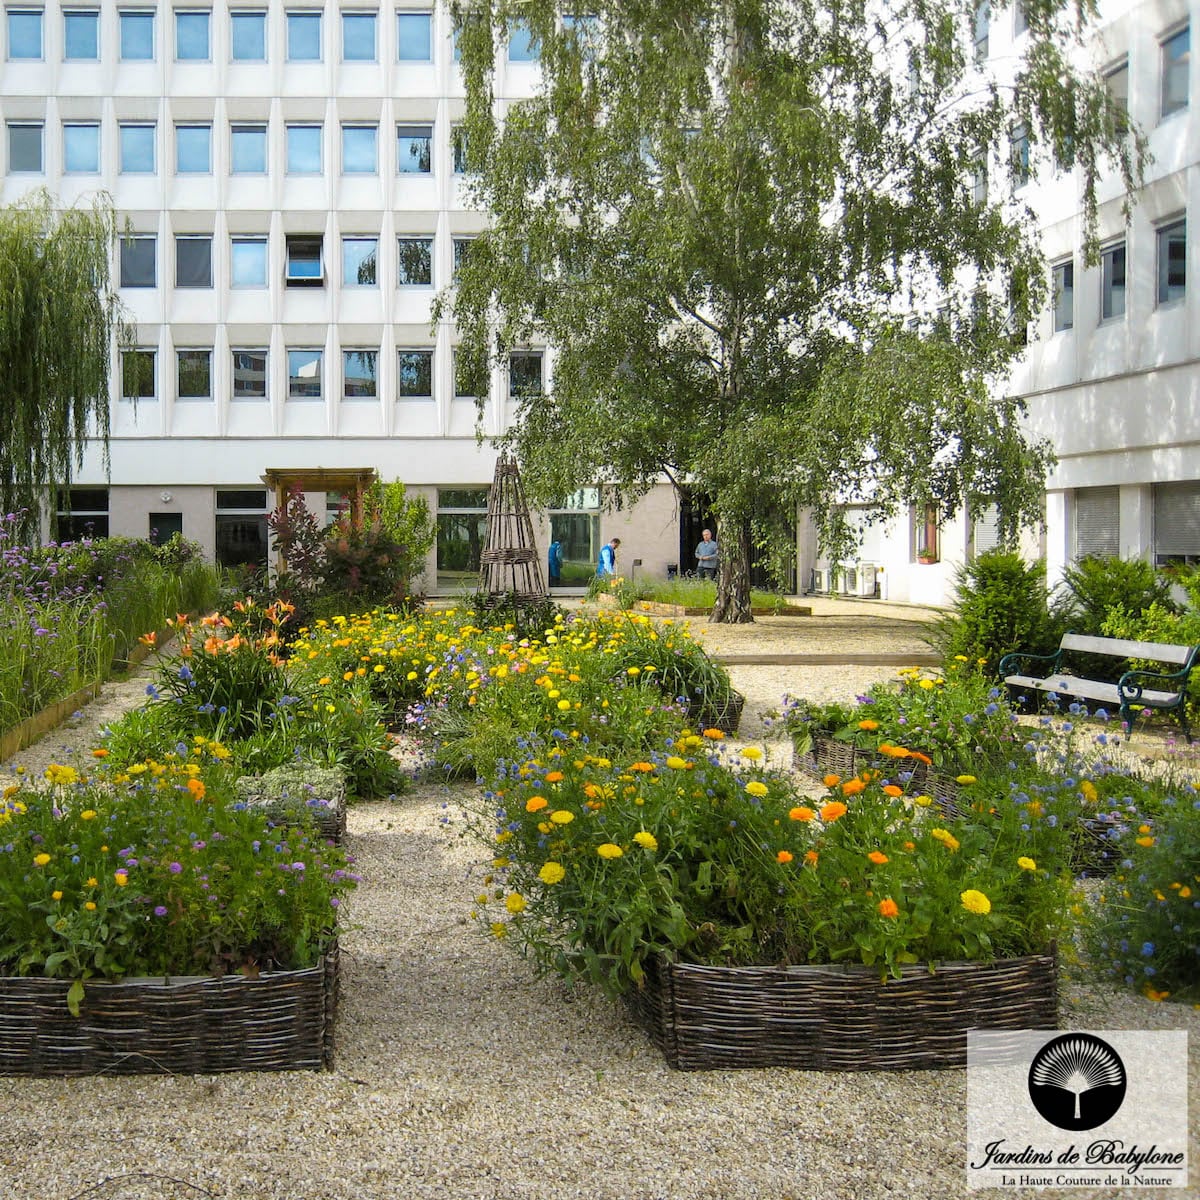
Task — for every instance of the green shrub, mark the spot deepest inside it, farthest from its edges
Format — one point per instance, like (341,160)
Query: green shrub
(1160,624)
(1094,586)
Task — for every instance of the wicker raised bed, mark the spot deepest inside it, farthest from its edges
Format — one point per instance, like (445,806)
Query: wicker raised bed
(839,1018)
(288,794)
(281,1021)
(828,755)
(725,715)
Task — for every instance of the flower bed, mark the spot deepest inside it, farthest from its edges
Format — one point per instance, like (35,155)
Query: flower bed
(839,1018)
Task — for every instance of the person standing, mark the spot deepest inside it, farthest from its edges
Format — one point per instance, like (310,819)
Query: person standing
(706,556)
(607,566)
(554,560)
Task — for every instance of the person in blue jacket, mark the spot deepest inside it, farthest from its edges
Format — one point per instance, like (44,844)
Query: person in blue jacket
(554,560)
(607,566)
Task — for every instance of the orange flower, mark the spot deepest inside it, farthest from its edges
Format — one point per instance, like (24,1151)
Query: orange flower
(831,811)
(810,858)
(889,908)
(784,856)
(148,639)
(877,858)
(99,753)
(802,813)
(852,787)
(535,804)
(890,789)
(924,758)
(831,780)
(196,787)
(554,776)
(212,645)
(868,725)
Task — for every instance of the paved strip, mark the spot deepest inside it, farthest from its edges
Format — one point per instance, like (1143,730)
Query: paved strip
(925,659)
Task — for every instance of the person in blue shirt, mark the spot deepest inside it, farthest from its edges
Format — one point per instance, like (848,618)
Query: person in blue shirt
(607,566)
(554,560)
(706,556)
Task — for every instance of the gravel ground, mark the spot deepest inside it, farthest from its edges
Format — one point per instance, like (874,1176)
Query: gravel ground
(459,1074)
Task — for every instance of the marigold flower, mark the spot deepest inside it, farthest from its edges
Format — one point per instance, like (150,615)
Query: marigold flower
(923,801)
(101,753)
(976,902)
(784,856)
(562,816)
(1153,994)
(965,779)
(923,758)
(890,789)
(641,766)
(831,780)
(945,837)
(1026,864)
(609,850)
(552,873)
(752,752)
(801,813)
(40,860)
(647,841)
(877,857)
(121,878)
(197,788)
(88,814)
(554,776)
(56,895)
(833,810)
(676,763)
(810,858)
(1145,842)
(756,788)
(852,787)
(90,905)
(1088,790)
(535,804)
(564,705)
(868,725)
(888,908)
(514,902)
(714,734)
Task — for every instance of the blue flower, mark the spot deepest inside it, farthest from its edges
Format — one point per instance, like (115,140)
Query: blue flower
(1147,949)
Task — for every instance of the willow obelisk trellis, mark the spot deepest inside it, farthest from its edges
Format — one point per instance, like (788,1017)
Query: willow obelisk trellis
(510,562)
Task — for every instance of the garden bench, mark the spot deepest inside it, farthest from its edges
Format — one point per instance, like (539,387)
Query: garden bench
(1147,689)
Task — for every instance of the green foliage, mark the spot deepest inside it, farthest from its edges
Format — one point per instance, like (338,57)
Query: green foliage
(1000,606)
(1160,623)
(523,618)
(58,318)
(1094,586)
(715,211)
(407,521)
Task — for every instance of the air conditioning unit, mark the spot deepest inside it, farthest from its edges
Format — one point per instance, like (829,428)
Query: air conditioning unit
(848,579)
(820,580)
(866,579)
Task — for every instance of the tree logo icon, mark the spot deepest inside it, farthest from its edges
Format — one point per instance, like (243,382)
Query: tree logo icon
(1077,1081)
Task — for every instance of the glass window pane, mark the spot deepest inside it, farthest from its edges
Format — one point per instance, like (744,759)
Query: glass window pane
(194,374)
(1112,282)
(1176,63)
(191,36)
(81,35)
(241,541)
(414,376)
(358,261)
(193,149)
(304,149)
(249,374)
(24,33)
(460,541)
(193,262)
(413,149)
(525,374)
(358,37)
(1117,83)
(248,36)
(137,149)
(304,259)
(24,148)
(359,373)
(522,45)
(137,374)
(248,149)
(1172,262)
(414,36)
(137,262)
(1064,296)
(358,149)
(304,374)
(137,36)
(81,149)
(304,37)
(416,261)
(249,262)
(461,248)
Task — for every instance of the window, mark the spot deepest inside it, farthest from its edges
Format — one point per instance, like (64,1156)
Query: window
(358,149)
(1172,261)
(164,526)
(248,262)
(304,149)
(249,374)
(248,149)
(304,261)
(248,36)
(193,370)
(25,149)
(193,262)
(524,375)
(1112,282)
(1177,523)
(137,375)
(458,148)
(358,37)
(1117,83)
(462,386)
(461,535)
(81,35)
(81,513)
(414,37)
(193,149)
(461,248)
(983,21)
(926,533)
(1097,522)
(1018,145)
(522,45)
(241,528)
(137,149)
(1064,296)
(1020,20)
(416,261)
(1176,54)
(137,261)
(304,374)
(414,374)
(81,149)
(24,33)
(191,35)
(413,149)
(137,35)
(359,374)
(979,184)
(304,36)
(358,261)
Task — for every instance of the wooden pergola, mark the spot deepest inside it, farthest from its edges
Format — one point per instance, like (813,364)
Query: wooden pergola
(350,481)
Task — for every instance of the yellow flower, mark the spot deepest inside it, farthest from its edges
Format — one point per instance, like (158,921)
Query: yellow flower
(965,779)
(676,763)
(975,902)
(945,837)
(1088,790)
(499,929)
(514,902)
(121,878)
(56,895)
(756,788)
(1026,864)
(646,840)
(609,850)
(753,753)
(927,684)
(90,905)
(91,881)
(1144,841)
(562,817)
(40,860)
(551,873)
(923,801)
(88,814)
(564,704)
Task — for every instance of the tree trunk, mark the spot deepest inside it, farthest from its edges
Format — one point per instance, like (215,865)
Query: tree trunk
(733,576)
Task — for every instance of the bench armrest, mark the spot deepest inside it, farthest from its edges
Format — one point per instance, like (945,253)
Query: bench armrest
(1130,689)
(1009,661)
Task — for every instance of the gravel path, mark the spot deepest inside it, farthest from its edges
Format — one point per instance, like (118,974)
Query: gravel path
(460,1075)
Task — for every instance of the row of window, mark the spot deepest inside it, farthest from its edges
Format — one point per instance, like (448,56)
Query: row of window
(306,374)
(248,34)
(303,148)
(304,260)
(1170,240)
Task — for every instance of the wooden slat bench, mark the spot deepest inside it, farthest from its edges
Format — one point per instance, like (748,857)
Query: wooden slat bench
(1148,689)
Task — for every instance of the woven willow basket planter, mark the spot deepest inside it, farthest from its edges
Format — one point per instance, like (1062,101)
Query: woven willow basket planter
(281,1021)
(839,1018)
(725,715)
(830,756)
(291,793)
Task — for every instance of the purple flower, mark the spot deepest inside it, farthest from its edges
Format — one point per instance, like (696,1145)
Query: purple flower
(160,910)
(175,868)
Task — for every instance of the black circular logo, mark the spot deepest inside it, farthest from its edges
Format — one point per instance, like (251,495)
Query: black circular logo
(1077,1081)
